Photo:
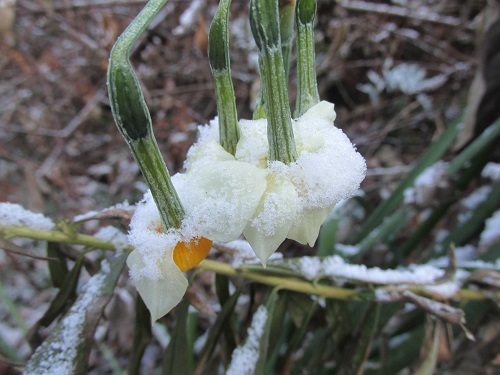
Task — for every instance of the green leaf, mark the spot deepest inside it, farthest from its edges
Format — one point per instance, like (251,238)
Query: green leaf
(463,232)
(433,153)
(389,227)
(280,331)
(142,336)
(220,326)
(327,237)
(67,348)
(178,354)
(58,268)
(299,306)
(264,340)
(63,299)
(359,346)
(257,342)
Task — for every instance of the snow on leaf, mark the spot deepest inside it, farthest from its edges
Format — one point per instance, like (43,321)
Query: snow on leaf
(67,348)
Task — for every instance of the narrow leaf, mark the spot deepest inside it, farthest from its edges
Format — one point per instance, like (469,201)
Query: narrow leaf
(177,357)
(142,336)
(220,326)
(58,268)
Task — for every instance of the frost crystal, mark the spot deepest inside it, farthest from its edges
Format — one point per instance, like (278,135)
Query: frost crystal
(244,358)
(13,215)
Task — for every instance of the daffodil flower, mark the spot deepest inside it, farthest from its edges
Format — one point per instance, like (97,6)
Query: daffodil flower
(219,196)
(300,195)
(276,200)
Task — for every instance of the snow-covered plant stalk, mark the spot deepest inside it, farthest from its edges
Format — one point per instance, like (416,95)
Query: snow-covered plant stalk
(218,55)
(264,21)
(307,88)
(133,119)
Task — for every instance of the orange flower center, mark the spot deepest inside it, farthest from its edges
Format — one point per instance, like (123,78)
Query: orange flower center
(188,255)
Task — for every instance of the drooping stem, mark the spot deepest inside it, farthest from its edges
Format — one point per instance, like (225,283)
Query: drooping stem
(307,87)
(264,21)
(133,119)
(218,56)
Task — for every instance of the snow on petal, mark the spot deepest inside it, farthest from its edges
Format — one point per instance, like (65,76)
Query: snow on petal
(219,198)
(273,218)
(162,294)
(253,146)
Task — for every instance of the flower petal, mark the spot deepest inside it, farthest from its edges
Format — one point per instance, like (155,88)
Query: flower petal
(219,198)
(160,295)
(273,218)
(306,230)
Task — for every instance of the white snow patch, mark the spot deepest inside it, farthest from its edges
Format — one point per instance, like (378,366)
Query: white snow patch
(244,358)
(491,232)
(491,171)
(335,266)
(14,215)
(423,275)
(347,250)
(426,184)
(310,267)
(476,197)
(113,235)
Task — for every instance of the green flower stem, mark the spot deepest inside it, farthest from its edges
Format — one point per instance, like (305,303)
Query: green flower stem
(218,56)
(307,87)
(287,15)
(284,283)
(259,111)
(58,236)
(153,168)
(133,119)
(264,22)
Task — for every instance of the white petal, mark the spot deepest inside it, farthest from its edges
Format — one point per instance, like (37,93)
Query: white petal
(306,230)
(253,146)
(163,294)
(206,152)
(324,110)
(273,218)
(219,198)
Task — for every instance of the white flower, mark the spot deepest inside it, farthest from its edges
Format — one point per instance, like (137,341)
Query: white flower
(218,202)
(280,201)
